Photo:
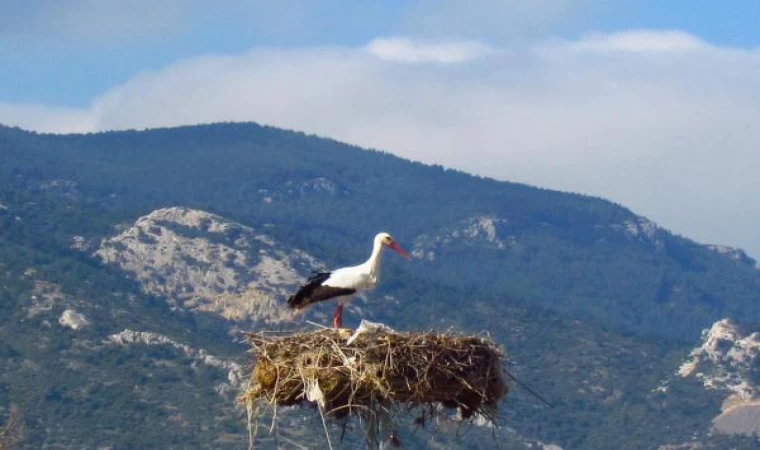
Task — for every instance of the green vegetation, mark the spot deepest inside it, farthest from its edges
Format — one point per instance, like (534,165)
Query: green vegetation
(593,317)
(572,252)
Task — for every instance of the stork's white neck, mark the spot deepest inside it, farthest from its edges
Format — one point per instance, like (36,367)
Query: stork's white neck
(374,260)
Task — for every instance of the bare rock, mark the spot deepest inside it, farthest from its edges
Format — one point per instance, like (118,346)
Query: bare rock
(735,254)
(739,418)
(201,261)
(74,320)
(483,231)
(728,360)
(643,230)
(128,337)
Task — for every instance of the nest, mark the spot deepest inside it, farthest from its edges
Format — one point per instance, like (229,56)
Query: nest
(382,367)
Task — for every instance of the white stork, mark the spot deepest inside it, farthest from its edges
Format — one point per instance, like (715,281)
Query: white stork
(344,283)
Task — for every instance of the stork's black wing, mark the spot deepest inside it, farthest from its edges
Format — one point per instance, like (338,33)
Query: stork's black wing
(314,291)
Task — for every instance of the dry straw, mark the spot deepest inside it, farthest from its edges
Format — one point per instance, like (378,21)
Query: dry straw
(379,368)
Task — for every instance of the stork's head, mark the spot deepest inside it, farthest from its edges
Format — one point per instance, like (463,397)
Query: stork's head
(387,240)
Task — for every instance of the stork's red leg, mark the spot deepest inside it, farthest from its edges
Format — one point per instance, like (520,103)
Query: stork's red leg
(338,316)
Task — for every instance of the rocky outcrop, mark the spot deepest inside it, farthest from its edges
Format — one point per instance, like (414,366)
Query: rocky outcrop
(729,360)
(483,231)
(201,261)
(318,185)
(74,320)
(643,230)
(735,254)
(235,374)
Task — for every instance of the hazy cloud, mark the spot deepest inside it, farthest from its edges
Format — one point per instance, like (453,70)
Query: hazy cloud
(47,118)
(498,20)
(408,50)
(644,41)
(661,122)
(89,20)
(284,21)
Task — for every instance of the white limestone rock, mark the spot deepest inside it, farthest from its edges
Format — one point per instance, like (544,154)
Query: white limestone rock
(728,360)
(74,320)
(319,185)
(235,374)
(735,254)
(642,229)
(483,231)
(81,244)
(201,261)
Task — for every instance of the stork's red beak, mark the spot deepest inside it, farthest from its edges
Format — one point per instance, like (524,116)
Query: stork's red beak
(399,250)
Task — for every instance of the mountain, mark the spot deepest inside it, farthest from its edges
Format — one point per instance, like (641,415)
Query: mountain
(579,255)
(132,261)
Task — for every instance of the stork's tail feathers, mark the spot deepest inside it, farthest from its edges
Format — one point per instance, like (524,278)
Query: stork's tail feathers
(296,301)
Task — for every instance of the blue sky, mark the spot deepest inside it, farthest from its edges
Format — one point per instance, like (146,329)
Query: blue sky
(47,61)
(652,104)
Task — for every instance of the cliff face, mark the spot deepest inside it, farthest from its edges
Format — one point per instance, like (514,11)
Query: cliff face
(735,254)
(200,261)
(482,231)
(728,360)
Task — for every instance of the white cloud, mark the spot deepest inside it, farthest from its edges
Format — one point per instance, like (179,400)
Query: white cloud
(657,121)
(408,50)
(640,41)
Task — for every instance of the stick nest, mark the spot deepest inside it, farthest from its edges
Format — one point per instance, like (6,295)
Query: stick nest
(408,369)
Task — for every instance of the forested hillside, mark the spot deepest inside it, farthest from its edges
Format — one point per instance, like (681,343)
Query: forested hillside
(581,255)
(595,304)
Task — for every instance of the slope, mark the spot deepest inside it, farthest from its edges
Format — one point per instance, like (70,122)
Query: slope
(592,301)
(583,256)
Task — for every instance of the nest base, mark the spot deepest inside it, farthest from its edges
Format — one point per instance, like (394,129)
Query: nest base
(381,369)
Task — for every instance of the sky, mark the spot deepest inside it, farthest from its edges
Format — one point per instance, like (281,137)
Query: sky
(652,104)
